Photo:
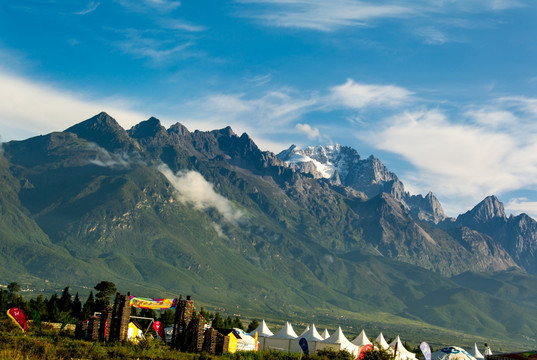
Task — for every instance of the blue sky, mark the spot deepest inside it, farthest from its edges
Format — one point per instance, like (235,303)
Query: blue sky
(444,92)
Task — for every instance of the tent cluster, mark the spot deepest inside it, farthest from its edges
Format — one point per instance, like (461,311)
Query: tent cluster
(287,340)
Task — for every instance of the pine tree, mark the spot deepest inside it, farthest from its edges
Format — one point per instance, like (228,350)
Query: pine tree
(89,306)
(237,323)
(76,308)
(218,322)
(64,303)
(252,326)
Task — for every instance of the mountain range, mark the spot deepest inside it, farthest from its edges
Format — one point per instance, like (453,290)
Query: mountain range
(316,234)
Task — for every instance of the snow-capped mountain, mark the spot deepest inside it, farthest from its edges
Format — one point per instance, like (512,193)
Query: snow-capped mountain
(343,166)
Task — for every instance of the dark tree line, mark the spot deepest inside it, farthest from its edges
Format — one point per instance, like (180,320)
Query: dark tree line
(58,308)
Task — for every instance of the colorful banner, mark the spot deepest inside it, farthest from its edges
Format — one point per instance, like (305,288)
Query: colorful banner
(256,339)
(426,350)
(160,330)
(17,315)
(156,304)
(365,349)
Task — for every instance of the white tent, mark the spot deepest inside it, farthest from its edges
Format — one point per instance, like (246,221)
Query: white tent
(382,342)
(451,353)
(401,353)
(337,342)
(312,337)
(361,340)
(263,332)
(487,350)
(325,334)
(475,352)
(281,340)
(246,342)
(305,330)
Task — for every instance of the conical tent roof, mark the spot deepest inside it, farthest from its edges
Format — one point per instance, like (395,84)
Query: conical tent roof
(305,330)
(382,342)
(286,332)
(361,340)
(402,353)
(262,330)
(312,334)
(325,334)
(400,347)
(488,351)
(339,338)
(475,353)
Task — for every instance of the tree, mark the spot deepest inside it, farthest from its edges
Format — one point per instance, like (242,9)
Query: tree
(13,290)
(76,308)
(378,354)
(53,310)
(252,326)
(105,291)
(64,304)
(218,322)
(167,318)
(40,306)
(228,323)
(89,306)
(237,323)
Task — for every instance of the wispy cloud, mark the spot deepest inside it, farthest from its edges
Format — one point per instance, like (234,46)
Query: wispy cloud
(463,161)
(319,14)
(143,6)
(150,44)
(312,133)
(192,188)
(90,7)
(357,96)
(261,117)
(522,205)
(30,108)
(117,160)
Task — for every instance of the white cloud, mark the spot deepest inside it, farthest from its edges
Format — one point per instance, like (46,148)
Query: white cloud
(312,133)
(146,6)
(91,7)
(357,96)
(491,117)
(463,162)
(29,108)
(261,118)
(522,205)
(322,15)
(192,188)
(156,45)
(432,35)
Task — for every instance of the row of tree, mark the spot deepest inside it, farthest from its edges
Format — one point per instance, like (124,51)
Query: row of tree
(57,308)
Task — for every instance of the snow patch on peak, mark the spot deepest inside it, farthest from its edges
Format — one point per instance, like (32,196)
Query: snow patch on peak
(320,161)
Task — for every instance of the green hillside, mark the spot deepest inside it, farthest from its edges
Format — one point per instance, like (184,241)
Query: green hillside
(259,239)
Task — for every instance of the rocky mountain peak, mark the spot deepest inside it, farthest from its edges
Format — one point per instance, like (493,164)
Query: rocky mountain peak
(179,129)
(148,128)
(104,130)
(488,209)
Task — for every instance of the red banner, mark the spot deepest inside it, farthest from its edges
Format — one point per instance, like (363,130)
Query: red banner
(160,330)
(365,349)
(17,315)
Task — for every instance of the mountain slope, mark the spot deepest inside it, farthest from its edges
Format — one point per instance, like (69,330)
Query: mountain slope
(210,214)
